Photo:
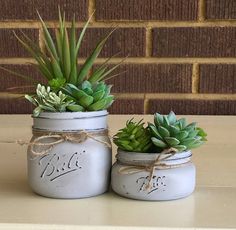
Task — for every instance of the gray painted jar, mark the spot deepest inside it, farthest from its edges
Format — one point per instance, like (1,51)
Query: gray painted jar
(175,180)
(70,169)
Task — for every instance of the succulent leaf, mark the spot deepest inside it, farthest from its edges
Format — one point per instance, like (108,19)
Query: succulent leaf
(182,135)
(154,131)
(158,119)
(180,148)
(172,141)
(75,108)
(174,129)
(163,131)
(159,143)
(171,117)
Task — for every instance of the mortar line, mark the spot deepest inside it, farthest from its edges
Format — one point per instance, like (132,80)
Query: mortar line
(129,95)
(91,9)
(177,96)
(149,96)
(148,41)
(125,24)
(145,105)
(195,78)
(16,61)
(138,60)
(201,11)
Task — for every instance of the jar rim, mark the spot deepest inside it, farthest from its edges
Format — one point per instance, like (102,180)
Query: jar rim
(71,115)
(138,158)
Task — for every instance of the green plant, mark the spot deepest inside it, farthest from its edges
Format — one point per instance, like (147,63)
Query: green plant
(167,133)
(58,64)
(89,97)
(134,137)
(45,100)
(170,132)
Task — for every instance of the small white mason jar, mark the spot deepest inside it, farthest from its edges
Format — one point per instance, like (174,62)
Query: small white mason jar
(69,155)
(174,178)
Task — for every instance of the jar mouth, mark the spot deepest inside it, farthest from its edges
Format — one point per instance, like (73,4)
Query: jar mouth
(136,158)
(68,121)
(71,115)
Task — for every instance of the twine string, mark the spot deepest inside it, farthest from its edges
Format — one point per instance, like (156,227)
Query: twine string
(59,137)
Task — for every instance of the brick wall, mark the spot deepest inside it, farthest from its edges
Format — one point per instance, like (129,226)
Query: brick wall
(182,53)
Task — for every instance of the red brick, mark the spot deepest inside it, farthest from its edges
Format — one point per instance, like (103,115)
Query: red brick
(10,46)
(146,9)
(127,106)
(15,106)
(26,9)
(194,42)
(219,78)
(125,41)
(220,9)
(153,78)
(193,107)
(8,80)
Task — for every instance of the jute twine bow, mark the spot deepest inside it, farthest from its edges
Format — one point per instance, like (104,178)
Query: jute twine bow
(50,139)
(157,164)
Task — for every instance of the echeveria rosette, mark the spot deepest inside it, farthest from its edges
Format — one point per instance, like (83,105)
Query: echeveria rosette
(134,137)
(89,97)
(169,132)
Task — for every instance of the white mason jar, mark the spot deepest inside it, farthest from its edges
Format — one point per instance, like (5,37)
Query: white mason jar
(65,168)
(174,178)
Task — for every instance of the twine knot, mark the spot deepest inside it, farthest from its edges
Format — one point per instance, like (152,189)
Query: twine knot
(48,140)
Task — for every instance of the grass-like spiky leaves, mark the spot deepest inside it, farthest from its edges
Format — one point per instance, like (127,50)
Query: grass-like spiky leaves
(134,137)
(59,64)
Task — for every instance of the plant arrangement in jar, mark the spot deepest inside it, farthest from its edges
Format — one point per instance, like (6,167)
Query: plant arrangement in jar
(70,143)
(153,162)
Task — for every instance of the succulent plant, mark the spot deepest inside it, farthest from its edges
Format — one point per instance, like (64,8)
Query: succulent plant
(169,132)
(45,100)
(58,64)
(89,97)
(134,137)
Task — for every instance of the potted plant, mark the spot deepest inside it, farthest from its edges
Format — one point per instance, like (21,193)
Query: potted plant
(154,162)
(69,155)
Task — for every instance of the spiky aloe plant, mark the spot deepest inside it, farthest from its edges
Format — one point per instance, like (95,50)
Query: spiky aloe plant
(170,132)
(134,137)
(59,66)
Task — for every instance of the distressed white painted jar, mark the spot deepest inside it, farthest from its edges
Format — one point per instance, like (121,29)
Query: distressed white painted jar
(69,169)
(176,181)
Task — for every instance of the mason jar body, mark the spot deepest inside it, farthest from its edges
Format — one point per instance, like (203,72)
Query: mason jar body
(174,180)
(61,168)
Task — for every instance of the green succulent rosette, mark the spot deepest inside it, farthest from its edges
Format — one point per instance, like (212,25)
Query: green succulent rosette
(170,132)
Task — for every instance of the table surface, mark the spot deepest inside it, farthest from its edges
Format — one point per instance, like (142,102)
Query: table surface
(212,205)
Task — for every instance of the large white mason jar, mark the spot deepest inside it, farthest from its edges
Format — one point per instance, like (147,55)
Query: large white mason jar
(70,154)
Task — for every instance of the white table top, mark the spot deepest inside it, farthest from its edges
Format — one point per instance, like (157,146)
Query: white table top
(212,205)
